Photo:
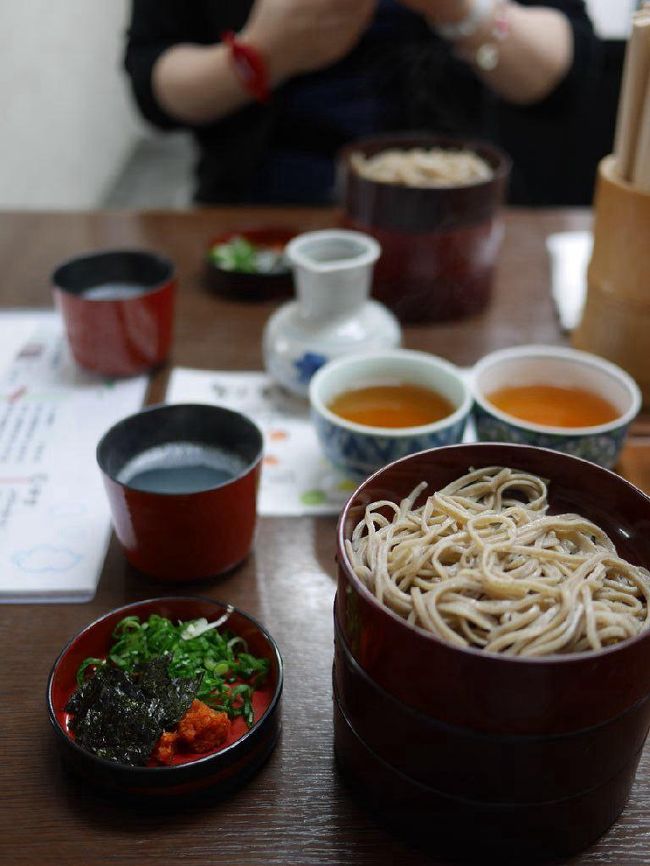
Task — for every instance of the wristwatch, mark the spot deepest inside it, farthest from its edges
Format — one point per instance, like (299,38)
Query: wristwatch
(467,26)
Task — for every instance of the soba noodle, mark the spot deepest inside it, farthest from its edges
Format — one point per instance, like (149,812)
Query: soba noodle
(482,564)
(423,168)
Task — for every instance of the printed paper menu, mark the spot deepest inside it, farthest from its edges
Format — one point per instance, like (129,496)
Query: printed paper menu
(54,517)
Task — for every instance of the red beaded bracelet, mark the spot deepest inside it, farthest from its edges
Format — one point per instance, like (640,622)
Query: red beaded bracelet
(250,67)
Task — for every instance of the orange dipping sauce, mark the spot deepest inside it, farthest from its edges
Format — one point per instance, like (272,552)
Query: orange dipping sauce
(391,406)
(552,406)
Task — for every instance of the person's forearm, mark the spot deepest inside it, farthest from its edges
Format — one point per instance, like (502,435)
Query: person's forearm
(533,58)
(197,84)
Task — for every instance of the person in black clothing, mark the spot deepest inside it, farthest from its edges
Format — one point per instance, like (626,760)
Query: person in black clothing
(514,73)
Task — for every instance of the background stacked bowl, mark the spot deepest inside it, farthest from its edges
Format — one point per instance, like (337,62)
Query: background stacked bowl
(439,244)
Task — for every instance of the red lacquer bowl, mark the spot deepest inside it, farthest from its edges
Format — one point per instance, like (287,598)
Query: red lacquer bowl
(117,336)
(241,286)
(234,763)
(551,744)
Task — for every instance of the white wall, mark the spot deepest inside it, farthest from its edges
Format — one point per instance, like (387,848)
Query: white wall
(66,123)
(612,18)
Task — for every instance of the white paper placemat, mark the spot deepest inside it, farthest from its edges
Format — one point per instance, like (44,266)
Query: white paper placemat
(296,478)
(54,516)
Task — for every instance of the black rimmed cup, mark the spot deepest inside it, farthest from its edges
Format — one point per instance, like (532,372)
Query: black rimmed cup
(221,771)
(118,309)
(182,485)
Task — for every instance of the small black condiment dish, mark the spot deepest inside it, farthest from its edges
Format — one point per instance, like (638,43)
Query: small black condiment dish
(222,771)
(256,286)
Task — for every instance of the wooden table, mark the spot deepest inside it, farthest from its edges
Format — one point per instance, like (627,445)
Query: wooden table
(297,811)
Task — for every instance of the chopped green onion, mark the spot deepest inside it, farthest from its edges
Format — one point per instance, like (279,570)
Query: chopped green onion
(239,254)
(196,648)
(83,667)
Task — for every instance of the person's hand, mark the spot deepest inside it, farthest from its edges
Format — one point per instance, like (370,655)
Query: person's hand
(440,11)
(304,35)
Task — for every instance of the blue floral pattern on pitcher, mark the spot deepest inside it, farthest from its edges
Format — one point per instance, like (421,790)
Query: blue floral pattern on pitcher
(308,364)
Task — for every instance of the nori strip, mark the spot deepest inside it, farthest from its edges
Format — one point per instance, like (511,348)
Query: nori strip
(114,719)
(121,716)
(175,694)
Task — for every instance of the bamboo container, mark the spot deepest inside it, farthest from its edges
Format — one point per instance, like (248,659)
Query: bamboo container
(616,320)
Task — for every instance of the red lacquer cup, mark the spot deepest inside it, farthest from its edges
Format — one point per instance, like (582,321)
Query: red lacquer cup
(181,537)
(118,309)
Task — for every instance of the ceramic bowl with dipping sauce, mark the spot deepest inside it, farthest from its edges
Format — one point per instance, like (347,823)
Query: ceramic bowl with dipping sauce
(531,366)
(440,243)
(182,485)
(482,755)
(237,759)
(118,309)
(360,449)
(332,314)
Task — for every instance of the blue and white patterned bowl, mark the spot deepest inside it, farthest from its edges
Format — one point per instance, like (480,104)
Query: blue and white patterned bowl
(359,450)
(568,368)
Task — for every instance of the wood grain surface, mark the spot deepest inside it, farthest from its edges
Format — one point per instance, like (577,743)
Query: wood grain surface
(296,811)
